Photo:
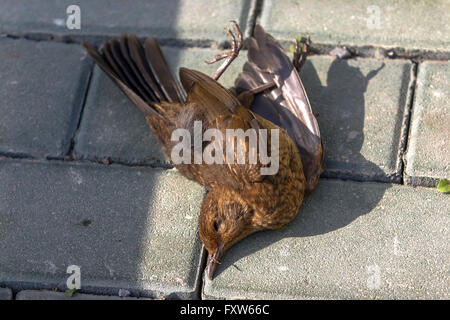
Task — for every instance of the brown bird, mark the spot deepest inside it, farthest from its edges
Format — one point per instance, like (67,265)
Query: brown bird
(268,94)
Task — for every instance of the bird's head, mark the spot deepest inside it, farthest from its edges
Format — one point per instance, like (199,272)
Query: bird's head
(224,220)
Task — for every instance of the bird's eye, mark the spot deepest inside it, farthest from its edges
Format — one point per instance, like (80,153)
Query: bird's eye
(216,224)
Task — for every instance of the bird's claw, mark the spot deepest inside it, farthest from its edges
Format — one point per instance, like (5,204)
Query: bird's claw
(301,51)
(236,46)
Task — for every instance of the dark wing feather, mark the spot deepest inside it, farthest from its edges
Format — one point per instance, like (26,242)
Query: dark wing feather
(161,72)
(267,63)
(137,53)
(125,49)
(127,69)
(116,75)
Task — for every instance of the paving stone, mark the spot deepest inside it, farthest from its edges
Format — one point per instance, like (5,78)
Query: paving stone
(53,295)
(428,156)
(408,24)
(112,127)
(170,19)
(42,85)
(125,227)
(360,111)
(351,240)
(5,294)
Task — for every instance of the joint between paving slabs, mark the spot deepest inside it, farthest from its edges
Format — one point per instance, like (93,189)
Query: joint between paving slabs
(69,153)
(406,123)
(376,52)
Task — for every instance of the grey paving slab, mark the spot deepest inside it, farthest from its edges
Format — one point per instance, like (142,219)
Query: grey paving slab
(53,295)
(125,227)
(5,294)
(407,24)
(170,19)
(351,240)
(42,85)
(360,106)
(428,155)
(112,127)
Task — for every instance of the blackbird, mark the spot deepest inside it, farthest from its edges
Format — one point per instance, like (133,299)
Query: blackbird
(268,95)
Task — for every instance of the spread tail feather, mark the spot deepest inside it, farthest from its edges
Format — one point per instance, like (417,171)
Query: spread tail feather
(140,71)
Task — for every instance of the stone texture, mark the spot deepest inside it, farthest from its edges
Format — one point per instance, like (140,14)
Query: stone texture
(428,155)
(408,24)
(170,19)
(5,294)
(112,127)
(132,228)
(42,85)
(360,106)
(351,240)
(53,295)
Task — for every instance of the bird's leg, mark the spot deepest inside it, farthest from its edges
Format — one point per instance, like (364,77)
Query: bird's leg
(236,46)
(262,88)
(246,97)
(301,52)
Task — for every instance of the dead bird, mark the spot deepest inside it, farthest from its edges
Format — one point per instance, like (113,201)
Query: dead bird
(268,95)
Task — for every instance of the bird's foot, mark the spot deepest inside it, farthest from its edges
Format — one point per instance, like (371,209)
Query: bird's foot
(236,46)
(301,51)
(263,87)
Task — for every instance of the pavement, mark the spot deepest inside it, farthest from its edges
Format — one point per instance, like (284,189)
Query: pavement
(85,185)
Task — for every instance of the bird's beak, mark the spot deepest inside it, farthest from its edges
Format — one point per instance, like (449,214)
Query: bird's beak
(213,261)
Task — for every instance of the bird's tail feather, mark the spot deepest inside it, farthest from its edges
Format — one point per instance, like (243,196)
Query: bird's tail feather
(140,71)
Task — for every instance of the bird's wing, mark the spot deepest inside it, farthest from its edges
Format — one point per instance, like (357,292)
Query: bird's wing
(287,105)
(207,94)
(140,71)
(217,108)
